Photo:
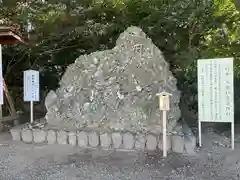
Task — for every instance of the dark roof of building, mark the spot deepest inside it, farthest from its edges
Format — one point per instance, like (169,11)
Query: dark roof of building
(9,35)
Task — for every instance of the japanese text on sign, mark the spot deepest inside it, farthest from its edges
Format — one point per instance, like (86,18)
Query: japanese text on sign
(215,90)
(31,85)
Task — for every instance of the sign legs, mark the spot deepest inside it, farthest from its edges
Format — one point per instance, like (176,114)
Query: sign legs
(232,135)
(1,114)
(31,112)
(200,133)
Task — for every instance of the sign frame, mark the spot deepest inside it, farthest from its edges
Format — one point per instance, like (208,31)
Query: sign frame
(31,86)
(215,93)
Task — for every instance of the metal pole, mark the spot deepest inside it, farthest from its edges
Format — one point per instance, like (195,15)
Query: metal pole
(31,112)
(200,133)
(232,131)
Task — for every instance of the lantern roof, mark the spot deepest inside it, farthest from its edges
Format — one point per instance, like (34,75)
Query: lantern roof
(163,94)
(9,35)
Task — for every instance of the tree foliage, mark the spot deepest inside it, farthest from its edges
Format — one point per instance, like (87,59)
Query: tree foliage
(61,30)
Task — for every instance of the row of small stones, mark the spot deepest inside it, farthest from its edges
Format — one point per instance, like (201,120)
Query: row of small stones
(115,140)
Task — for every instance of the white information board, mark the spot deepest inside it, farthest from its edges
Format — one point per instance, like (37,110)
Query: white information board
(31,85)
(1,77)
(215,91)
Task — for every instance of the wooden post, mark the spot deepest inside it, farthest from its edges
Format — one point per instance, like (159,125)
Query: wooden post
(164,133)
(164,106)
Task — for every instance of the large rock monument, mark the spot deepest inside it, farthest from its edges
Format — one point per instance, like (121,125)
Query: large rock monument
(108,100)
(115,89)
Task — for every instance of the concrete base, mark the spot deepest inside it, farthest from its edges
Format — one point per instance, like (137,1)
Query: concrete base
(181,140)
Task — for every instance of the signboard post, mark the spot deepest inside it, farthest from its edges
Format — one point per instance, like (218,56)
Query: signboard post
(215,93)
(31,89)
(164,106)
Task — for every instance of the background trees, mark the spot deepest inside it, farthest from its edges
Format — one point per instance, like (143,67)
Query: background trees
(61,30)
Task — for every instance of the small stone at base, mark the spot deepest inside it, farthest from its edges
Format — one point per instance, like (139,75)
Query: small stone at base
(140,142)
(117,140)
(151,143)
(51,137)
(177,144)
(72,138)
(190,145)
(93,139)
(105,140)
(16,134)
(39,136)
(27,135)
(82,139)
(128,141)
(160,143)
(62,137)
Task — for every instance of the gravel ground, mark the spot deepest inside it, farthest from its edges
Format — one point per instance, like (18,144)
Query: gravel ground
(20,161)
